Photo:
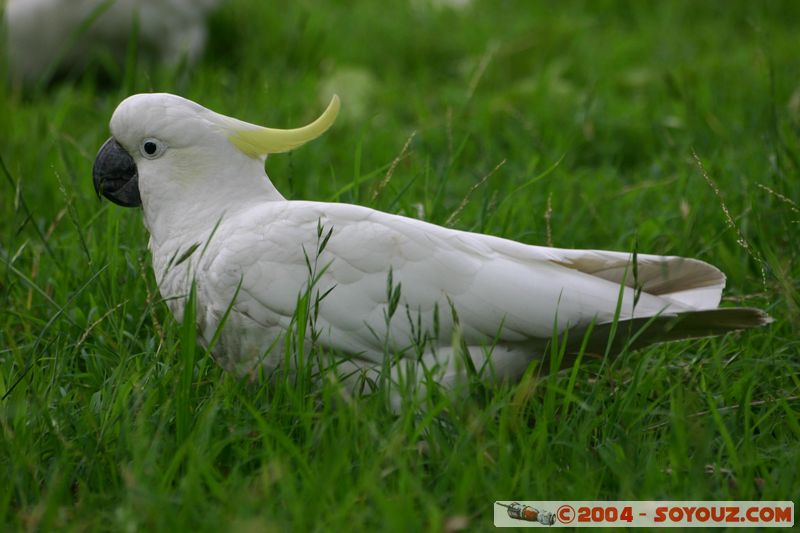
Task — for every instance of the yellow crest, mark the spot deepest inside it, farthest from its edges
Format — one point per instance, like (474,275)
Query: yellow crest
(257,141)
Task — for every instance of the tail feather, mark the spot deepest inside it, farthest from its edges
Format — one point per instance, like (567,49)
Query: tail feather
(639,332)
(690,283)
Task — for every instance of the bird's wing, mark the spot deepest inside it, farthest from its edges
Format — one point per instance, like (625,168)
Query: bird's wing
(685,282)
(495,288)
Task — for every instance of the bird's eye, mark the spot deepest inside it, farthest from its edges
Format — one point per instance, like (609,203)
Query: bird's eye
(152,148)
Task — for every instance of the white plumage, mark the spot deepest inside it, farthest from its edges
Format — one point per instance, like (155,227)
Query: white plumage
(43,32)
(206,190)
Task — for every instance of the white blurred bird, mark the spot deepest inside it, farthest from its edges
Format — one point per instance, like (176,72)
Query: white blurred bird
(215,217)
(46,34)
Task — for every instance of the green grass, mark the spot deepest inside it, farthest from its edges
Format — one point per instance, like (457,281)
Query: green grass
(120,423)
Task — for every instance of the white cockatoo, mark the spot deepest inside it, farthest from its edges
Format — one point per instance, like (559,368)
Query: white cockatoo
(381,285)
(42,33)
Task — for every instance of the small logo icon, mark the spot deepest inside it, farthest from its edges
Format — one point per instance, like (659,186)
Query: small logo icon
(566,514)
(517,511)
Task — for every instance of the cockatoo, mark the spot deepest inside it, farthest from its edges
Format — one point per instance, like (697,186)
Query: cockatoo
(381,285)
(42,33)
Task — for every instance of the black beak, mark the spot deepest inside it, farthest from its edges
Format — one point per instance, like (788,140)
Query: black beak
(115,175)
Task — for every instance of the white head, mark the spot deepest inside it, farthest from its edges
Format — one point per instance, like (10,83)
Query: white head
(179,160)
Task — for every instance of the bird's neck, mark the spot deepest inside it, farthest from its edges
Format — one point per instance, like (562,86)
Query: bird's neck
(189,216)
